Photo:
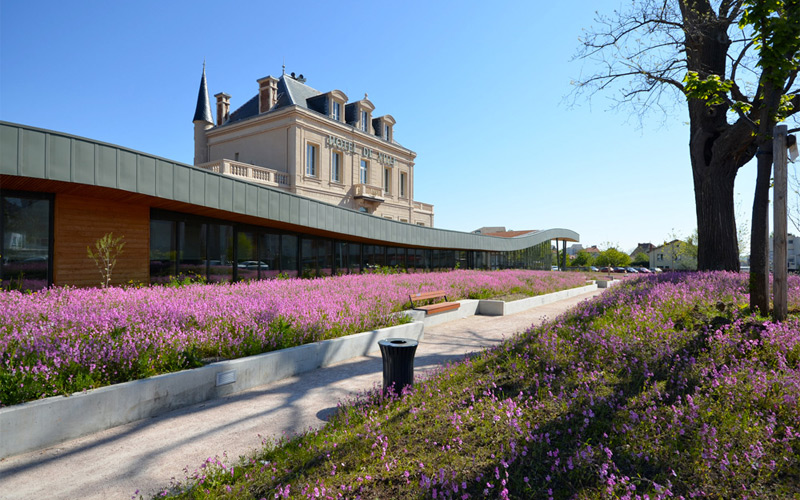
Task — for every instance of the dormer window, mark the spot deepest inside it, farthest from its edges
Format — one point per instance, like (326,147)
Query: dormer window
(336,111)
(364,120)
(383,127)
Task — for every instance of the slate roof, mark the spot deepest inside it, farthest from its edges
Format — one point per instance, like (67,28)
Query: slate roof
(203,110)
(290,93)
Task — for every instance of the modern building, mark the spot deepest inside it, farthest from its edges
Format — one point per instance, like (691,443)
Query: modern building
(258,215)
(311,143)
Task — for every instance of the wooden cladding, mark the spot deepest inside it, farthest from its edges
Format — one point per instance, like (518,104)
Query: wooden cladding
(80,221)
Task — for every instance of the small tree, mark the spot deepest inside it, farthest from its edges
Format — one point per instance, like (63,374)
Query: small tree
(641,260)
(583,259)
(613,257)
(107,249)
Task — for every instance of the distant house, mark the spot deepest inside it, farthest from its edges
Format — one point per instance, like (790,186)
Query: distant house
(675,255)
(574,249)
(592,250)
(644,248)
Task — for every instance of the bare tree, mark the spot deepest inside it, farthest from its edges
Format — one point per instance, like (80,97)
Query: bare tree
(659,52)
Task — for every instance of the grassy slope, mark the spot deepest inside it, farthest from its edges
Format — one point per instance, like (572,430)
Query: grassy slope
(665,387)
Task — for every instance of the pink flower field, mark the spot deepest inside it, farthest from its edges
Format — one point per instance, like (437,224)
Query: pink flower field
(62,340)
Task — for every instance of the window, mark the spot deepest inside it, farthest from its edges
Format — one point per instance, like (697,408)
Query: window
(364,118)
(26,240)
(311,160)
(420,223)
(363,174)
(387,180)
(387,132)
(337,111)
(402,184)
(336,167)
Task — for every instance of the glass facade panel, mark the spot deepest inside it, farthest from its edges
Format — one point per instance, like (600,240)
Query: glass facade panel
(163,250)
(26,230)
(220,253)
(289,255)
(192,249)
(269,253)
(374,256)
(247,263)
(348,257)
(187,245)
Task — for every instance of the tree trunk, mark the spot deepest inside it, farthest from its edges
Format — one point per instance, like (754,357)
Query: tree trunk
(759,236)
(717,248)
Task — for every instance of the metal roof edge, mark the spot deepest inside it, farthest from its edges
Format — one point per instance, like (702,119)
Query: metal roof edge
(395,231)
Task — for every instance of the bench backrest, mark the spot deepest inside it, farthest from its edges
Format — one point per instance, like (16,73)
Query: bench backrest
(428,295)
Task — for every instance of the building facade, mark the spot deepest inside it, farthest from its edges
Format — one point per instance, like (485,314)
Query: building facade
(60,193)
(315,144)
(676,255)
(792,253)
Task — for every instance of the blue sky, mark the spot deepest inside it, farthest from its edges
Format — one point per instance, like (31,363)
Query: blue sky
(481,91)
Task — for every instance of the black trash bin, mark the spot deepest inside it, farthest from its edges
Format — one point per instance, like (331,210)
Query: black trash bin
(398,362)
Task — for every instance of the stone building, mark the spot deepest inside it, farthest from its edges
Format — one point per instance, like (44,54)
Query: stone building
(315,144)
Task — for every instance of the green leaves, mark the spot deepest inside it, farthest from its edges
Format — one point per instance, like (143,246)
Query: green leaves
(713,89)
(776,24)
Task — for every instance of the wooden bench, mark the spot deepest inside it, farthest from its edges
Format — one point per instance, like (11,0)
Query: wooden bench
(433,308)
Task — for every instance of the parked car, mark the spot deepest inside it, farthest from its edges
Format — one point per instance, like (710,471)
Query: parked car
(655,269)
(632,270)
(592,268)
(606,269)
(253,264)
(554,268)
(644,270)
(619,270)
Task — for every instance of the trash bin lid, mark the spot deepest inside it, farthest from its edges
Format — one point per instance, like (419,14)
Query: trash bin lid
(398,342)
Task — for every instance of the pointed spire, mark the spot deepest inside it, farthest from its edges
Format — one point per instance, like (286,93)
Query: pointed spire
(203,111)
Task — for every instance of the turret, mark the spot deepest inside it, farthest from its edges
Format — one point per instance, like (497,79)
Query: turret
(202,122)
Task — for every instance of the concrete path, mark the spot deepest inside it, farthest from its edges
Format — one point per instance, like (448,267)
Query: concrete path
(145,456)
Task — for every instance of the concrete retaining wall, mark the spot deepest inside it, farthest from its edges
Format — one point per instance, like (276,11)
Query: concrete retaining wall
(500,308)
(39,424)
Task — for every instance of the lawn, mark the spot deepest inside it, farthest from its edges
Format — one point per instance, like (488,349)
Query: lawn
(64,340)
(663,387)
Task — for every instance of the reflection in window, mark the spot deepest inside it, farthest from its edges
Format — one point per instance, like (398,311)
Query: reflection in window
(247,263)
(220,253)
(192,246)
(26,235)
(163,250)
(269,253)
(289,254)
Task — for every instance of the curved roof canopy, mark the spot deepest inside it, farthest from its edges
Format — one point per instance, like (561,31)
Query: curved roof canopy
(30,157)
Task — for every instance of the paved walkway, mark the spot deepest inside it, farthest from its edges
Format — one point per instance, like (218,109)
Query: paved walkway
(146,455)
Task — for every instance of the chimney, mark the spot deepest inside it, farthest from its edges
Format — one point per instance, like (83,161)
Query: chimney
(223,107)
(267,93)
